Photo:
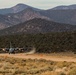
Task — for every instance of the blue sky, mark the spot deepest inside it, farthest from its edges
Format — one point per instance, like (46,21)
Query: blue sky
(42,4)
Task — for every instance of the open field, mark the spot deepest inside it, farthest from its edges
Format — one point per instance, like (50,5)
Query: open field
(37,64)
(64,56)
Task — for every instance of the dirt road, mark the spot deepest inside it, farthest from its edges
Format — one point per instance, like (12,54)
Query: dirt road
(42,56)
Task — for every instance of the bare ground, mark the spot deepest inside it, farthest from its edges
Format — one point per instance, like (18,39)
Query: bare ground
(69,57)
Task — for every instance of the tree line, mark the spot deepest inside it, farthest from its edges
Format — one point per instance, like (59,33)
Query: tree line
(44,43)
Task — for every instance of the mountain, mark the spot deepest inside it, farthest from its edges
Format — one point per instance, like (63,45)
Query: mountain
(16,18)
(16,9)
(70,7)
(21,13)
(7,21)
(37,25)
(28,14)
(62,16)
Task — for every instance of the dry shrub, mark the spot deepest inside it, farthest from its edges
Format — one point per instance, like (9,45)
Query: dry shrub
(16,66)
(72,72)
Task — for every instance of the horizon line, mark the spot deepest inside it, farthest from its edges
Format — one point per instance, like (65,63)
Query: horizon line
(36,7)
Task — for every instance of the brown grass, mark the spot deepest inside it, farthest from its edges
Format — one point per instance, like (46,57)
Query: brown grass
(18,66)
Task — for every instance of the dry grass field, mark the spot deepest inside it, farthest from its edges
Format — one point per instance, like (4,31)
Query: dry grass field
(22,66)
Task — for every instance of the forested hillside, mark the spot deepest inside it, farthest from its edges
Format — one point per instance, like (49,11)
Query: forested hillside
(46,43)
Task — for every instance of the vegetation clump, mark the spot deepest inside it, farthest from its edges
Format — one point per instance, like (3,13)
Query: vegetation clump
(32,67)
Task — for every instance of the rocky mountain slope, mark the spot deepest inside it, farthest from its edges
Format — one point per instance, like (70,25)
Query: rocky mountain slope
(21,13)
(7,21)
(38,26)
(61,16)
(15,9)
(28,13)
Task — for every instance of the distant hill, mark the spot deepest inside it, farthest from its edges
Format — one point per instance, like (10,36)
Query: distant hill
(16,9)
(61,16)
(28,14)
(57,14)
(69,7)
(7,21)
(21,13)
(37,26)
(20,16)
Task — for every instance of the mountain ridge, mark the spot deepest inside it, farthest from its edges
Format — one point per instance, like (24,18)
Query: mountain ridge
(37,25)
(29,13)
(65,7)
(15,9)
